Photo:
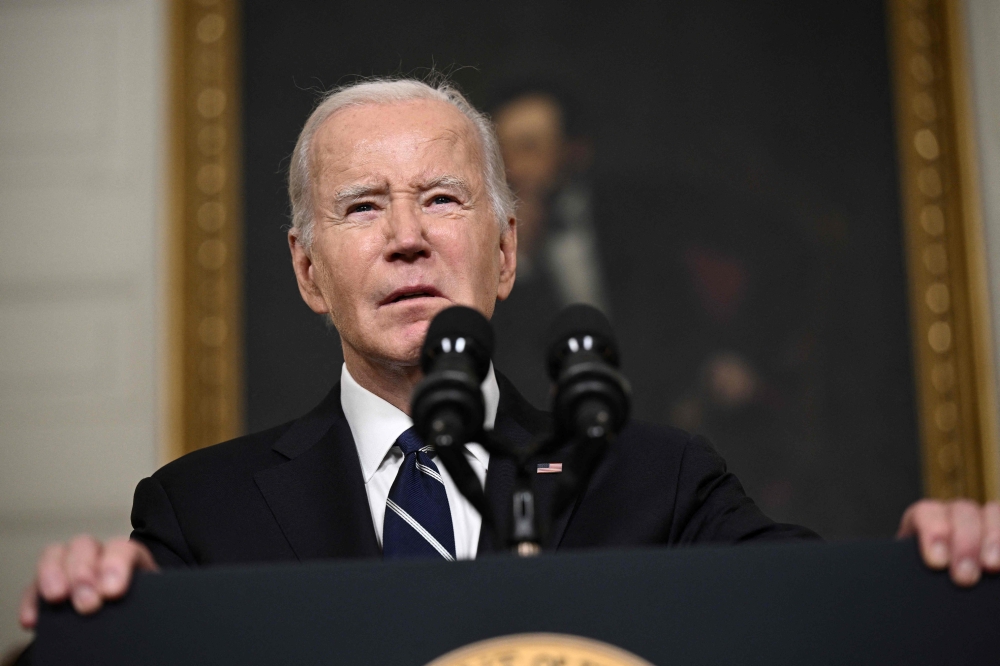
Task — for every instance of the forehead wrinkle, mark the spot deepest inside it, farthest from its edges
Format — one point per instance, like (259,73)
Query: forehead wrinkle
(326,156)
(328,159)
(445,139)
(465,137)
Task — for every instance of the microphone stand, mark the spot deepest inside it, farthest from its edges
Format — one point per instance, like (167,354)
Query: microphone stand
(524,536)
(452,454)
(527,526)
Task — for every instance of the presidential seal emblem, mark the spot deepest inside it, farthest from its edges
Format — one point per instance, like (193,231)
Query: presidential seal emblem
(539,649)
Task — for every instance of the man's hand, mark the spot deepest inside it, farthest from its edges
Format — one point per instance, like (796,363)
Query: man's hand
(959,534)
(85,571)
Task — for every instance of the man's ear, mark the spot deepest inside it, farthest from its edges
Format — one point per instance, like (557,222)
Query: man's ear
(508,259)
(304,268)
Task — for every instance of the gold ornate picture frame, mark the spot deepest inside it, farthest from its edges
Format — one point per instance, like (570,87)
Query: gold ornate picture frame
(946,260)
(205,368)
(951,334)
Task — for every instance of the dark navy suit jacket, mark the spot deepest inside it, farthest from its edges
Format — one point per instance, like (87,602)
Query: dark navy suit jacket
(296,492)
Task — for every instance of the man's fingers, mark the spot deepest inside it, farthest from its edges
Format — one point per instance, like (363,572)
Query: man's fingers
(119,558)
(81,567)
(28,609)
(144,560)
(991,537)
(966,541)
(53,584)
(929,520)
(85,572)
(116,568)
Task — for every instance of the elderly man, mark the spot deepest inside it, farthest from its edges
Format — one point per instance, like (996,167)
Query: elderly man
(400,209)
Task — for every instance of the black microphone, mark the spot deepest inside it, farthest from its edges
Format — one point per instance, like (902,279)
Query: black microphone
(447,405)
(592,398)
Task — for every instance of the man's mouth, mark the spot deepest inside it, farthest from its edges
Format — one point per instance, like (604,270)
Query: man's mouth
(410,293)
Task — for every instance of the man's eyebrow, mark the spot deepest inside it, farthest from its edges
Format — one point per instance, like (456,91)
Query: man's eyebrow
(356,191)
(448,181)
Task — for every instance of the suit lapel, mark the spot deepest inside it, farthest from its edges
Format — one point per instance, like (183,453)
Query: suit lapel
(518,423)
(545,492)
(499,485)
(318,496)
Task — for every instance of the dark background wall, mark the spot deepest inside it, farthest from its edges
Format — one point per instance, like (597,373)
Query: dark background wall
(742,152)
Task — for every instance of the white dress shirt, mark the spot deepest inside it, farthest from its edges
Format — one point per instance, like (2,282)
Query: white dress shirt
(376,425)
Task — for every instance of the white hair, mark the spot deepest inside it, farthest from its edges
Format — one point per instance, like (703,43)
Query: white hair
(390,91)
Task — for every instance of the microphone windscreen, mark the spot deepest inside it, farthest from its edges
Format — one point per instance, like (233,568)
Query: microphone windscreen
(577,321)
(460,321)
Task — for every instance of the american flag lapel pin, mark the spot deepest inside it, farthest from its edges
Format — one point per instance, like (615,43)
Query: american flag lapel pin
(549,468)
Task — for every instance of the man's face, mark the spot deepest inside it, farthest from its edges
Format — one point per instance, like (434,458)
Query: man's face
(403,227)
(531,137)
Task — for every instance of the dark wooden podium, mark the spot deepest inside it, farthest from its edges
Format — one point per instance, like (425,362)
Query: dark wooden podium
(862,603)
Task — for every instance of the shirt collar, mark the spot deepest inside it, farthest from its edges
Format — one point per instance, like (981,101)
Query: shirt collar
(376,424)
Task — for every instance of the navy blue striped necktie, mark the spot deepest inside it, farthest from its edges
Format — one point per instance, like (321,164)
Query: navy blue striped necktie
(417,516)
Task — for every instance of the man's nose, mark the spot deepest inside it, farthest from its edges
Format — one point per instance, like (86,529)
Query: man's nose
(405,232)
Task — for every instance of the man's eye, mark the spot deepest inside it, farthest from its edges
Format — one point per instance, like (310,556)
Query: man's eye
(442,199)
(361,208)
